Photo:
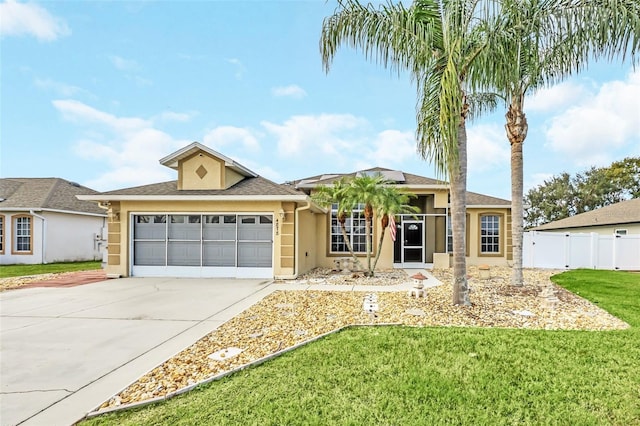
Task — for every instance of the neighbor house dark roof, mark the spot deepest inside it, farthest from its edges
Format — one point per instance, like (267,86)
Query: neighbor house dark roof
(251,186)
(45,194)
(614,214)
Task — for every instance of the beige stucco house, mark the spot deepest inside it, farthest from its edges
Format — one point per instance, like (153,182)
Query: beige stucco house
(220,219)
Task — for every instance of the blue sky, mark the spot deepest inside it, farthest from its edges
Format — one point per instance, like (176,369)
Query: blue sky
(97,92)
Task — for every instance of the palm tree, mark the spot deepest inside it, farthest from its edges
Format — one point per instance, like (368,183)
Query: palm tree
(377,195)
(539,43)
(391,202)
(338,194)
(367,190)
(438,42)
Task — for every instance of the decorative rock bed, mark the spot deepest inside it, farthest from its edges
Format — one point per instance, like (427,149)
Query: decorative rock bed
(289,318)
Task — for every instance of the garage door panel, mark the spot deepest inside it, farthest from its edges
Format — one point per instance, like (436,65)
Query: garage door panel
(219,253)
(149,253)
(183,253)
(219,232)
(254,254)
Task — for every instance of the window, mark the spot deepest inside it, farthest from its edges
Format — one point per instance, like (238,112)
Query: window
(1,234)
(22,231)
(621,232)
(355,225)
(489,234)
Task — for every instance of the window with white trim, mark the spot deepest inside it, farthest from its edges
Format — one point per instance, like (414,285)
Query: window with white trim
(355,226)
(22,234)
(490,234)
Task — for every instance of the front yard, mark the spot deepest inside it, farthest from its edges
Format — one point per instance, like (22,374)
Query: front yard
(436,375)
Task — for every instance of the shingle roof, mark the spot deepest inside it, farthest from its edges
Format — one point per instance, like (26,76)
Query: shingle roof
(614,214)
(248,186)
(45,193)
(329,178)
(473,198)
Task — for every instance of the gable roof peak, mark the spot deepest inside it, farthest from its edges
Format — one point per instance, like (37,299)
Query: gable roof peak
(172,159)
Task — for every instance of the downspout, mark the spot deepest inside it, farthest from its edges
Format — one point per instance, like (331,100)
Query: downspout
(296,264)
(105,205)
(44,232)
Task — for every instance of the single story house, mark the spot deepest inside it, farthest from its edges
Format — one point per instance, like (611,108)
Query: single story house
(42,221)
(621,218)
(220,219)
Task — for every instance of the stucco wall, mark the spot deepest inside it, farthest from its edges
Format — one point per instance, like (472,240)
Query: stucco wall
(307,240)
(72,238)
(212,176)
(67,238)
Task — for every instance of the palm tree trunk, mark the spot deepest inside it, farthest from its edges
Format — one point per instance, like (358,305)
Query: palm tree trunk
(458,177)
(375,262)
(367,232)
(516,128)
(356,261)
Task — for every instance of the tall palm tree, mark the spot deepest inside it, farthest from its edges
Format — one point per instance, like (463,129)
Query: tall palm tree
(438,42)
(538,43)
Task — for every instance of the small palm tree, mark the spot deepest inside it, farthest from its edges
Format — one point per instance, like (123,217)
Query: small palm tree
(377,195)
(391,202)
(338,194)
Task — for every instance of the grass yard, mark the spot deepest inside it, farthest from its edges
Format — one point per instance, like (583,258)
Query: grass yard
(7,271)
(436,376)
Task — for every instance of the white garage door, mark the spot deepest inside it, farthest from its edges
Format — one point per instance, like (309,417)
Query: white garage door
(203,245)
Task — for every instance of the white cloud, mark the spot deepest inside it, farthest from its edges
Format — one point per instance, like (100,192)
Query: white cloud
(393,147)
(127,148)
(487,148)
(310,135)
(240,69)
(557,97)
(79,112)
(30,19)
(62,89)
(124,64)
(226,135)
(590,132)
(176,116)
(292,91)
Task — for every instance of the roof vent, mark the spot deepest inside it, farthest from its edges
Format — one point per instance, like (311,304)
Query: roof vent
(76,184)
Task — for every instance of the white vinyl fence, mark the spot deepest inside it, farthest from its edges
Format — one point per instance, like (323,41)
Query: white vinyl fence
(560,250)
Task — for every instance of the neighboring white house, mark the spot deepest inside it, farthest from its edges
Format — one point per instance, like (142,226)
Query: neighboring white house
(606,238)
(622,218)
(42,221)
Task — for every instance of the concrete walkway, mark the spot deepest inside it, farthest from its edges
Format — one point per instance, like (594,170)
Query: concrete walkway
(64,351)
(321,284)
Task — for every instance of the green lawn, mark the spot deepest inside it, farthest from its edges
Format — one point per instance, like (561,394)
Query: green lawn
(435,376)
(22,270)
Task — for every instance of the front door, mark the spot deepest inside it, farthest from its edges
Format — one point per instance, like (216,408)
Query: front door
(412,242)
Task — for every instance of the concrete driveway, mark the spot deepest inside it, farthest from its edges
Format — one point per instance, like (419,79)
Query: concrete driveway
(64,351)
